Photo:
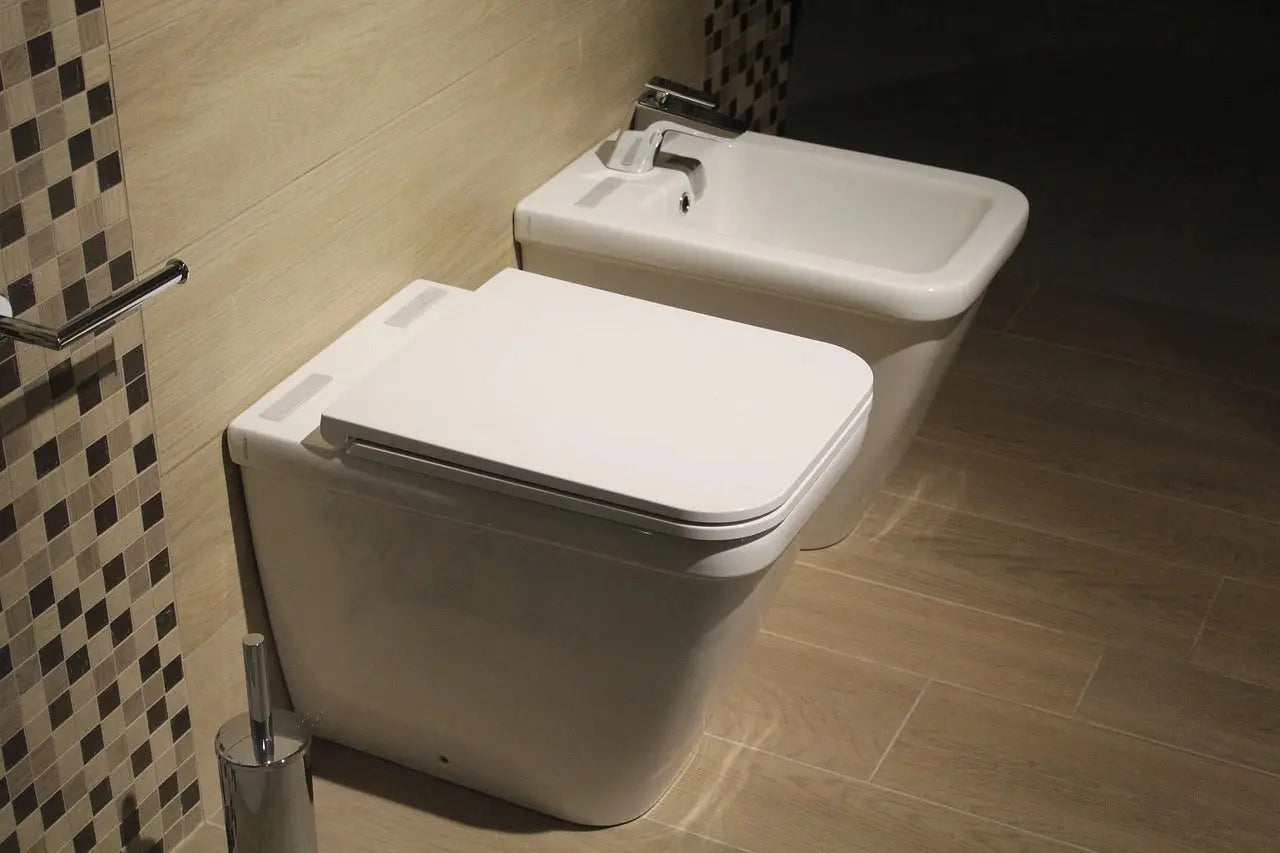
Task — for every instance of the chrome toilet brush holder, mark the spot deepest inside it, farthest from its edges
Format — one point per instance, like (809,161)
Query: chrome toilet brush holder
(264,767)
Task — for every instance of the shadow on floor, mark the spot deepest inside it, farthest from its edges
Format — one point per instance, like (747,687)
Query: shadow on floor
(397,784)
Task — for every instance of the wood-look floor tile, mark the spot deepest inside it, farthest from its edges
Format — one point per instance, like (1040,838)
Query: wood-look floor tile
(939,640)
(1242,634)
(1173,531)
(365,804)
(766,804)
(813,705)
(1184,705)
(1156,334)
(1163,458)
(1106,381)
(1070,780)
(1025,574)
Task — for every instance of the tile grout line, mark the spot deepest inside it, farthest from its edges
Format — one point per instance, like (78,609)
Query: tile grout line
(1163,562)
(894,740)
(894,791)
(1208,611)
(1088,683)
(917,674)
(987,516)
(1175,747)
(1059,472)
(1200,432)
(820,647)
(1137,361)
(1162,420)
(1011,826)
(1070,716)
(1093,724)
(950,603)
(1008,324)
(703,836)
(760,750)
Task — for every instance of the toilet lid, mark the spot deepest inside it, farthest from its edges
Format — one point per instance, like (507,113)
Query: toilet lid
(612,399)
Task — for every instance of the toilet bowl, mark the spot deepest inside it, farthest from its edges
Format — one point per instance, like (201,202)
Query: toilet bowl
(886,258)
(512,537)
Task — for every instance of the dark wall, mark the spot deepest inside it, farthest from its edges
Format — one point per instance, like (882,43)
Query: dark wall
(846,46)
(1144,133)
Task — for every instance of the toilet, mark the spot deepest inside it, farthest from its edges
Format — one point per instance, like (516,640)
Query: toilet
(513,537)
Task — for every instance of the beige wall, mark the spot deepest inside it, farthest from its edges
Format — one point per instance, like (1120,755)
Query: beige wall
(306,158)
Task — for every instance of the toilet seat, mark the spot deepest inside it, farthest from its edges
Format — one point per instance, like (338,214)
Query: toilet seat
(666,420)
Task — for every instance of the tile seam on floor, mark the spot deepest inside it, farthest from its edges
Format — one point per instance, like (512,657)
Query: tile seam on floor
(1017,619)
(1085,721)
(1208,611)
(917,674)
(1069,716)
(893,740)
(1130,360)
(1213,670)
(1057,471)
(651,819)
(1087,478)
(896,792)
(1035,288)
(1097,665)
(774,633)
(1022,831)
(1251,581)
(939,600)
(1205,431)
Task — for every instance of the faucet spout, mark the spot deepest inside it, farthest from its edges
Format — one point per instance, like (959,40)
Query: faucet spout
(666,107)
(636,150)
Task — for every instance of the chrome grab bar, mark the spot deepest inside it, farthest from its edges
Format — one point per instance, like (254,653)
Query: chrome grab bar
(121,302)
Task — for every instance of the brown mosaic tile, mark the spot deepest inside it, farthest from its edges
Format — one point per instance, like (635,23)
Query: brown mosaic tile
(748,57)
(95,741)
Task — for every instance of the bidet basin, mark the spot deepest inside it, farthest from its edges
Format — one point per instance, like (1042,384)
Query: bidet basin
(886,258)
(853,230)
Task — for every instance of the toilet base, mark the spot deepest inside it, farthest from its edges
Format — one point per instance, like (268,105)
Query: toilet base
(561,680)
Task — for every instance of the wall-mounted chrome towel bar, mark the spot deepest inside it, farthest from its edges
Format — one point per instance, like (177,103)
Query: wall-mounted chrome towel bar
(121,302)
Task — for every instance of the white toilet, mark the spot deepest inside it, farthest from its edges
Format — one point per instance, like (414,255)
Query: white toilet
(886,258)
(512,537)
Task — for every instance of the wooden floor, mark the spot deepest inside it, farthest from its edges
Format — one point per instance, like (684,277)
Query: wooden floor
(1057,628)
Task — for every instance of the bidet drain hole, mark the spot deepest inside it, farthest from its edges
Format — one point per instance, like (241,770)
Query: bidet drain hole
(443,759)
(685,203)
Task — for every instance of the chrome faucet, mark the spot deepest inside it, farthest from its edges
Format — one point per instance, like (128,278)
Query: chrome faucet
(666,107)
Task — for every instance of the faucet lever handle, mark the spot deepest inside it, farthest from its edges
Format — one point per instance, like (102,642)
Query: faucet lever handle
(662,90)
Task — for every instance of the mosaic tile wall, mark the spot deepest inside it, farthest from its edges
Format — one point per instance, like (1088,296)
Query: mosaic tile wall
(748,56)
(95,739)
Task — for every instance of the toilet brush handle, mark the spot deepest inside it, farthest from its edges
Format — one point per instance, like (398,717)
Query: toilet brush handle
(255,677)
